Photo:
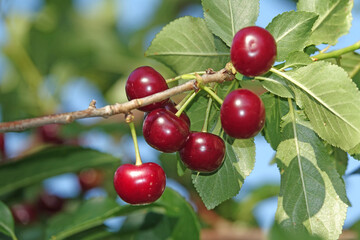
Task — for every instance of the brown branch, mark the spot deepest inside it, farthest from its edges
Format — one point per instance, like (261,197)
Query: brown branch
(110,110)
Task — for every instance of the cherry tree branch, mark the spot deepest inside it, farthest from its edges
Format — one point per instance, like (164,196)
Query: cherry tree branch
(118,108)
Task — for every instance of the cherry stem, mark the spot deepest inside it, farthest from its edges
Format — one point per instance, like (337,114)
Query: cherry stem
(180,104)
(336,53)
(207,114)
(129,120)
(187,76)
(212,94)
(186,103)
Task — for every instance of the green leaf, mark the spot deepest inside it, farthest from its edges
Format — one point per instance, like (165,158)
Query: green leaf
(47,163)
(6,221)
(276,85)
(312,194)
(278,233)
(275,108)
(334,19)
(291,31)
(297,59)
(188,40)
(91,214)
(330,100)
(225,183)
(350,62)
(225,18)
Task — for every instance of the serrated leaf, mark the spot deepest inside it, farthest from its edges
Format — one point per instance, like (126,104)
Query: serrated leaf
(350,62)
(275,108)
(47,163)
(291,31)
(188,40)
(330,100)
(6,221)
(297,59)
(334,19)
(226,182)
(312,195)
(225,18)
(276,85)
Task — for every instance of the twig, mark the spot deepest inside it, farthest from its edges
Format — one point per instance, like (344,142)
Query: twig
(110,110)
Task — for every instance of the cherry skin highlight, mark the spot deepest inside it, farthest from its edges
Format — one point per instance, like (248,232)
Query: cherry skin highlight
(242,114)
(142,184)
(145,81)
(203,152)
(253,51)
(164,131)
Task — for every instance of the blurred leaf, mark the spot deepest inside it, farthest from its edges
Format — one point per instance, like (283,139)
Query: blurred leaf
(188,40)
(6,221)
(312,194)
(179,221)
(291,31)
(279,233)
(47,163)
(90,214)
(334,19)
(226,182)
(225,18)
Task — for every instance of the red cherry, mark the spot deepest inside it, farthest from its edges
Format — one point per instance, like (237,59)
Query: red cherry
(171,107)
(253,51)
(242,114)
(50,203)
(141,184)
(164,131)
(203,152)
(24,213)
(2,147)
(50,134)
(145,81)
(90,178)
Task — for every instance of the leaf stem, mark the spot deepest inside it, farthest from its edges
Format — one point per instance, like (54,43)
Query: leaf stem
(212,94)
(207,114)
(129,120)
(336,53)
(186,103)
(187,76)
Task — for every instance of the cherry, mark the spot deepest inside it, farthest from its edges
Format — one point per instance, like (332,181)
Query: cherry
(139,184)
(253,51)
(50,203)
(24,213)
(203,152)
(90,178)
(164,131)
(50,134)
(145,81)
(2,147)
(171,107)
(242,114)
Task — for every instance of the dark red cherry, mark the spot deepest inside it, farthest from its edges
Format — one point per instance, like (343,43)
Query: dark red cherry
(24,213)
(50,203)
(2,147)
(242,114)
(50,134)
(253,51)
(171,107)
(145,81)
(203,152)
(164,131)
(90,178)
(141,184)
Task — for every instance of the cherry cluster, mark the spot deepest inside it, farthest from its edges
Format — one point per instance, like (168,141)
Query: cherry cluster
(167,129)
